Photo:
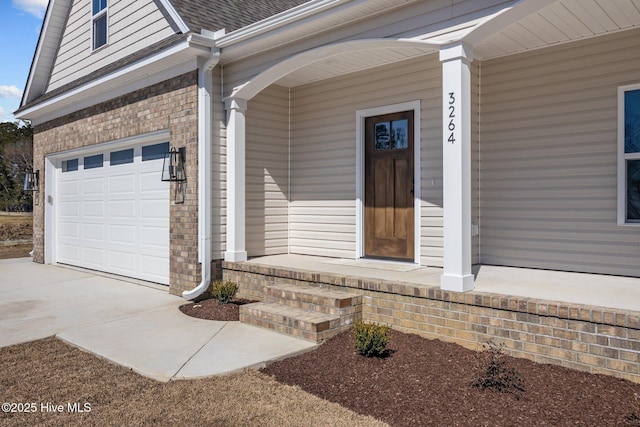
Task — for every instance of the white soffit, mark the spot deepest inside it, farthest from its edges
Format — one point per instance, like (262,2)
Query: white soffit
(562,22)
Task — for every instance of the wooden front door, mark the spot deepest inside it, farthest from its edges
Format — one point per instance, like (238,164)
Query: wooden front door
(389,202)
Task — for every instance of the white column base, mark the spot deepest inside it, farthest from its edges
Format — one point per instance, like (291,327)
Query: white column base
(453,283)
(237,256)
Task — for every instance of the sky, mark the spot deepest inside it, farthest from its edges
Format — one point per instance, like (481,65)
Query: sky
(20,23)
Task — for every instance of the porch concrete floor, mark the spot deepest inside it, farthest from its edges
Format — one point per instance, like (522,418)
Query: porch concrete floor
(578,288)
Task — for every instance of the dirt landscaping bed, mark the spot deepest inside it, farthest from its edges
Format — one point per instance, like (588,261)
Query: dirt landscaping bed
(16,235)
(15,249)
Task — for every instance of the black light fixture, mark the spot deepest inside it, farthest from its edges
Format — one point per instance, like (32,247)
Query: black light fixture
(31,181)
(173,166)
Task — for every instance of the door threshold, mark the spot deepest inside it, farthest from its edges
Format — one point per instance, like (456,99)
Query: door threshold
(376,263)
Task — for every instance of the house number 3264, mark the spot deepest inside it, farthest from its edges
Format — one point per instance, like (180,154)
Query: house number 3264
(452,116)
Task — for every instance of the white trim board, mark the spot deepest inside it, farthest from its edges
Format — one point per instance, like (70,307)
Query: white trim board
(622,164)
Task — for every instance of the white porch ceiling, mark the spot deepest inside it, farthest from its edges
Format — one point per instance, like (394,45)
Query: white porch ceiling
(562,22)
(348,63)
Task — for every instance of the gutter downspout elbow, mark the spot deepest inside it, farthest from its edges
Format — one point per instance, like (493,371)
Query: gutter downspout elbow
(205,89)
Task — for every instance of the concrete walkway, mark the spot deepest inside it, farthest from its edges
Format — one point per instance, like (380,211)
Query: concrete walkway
(131,323)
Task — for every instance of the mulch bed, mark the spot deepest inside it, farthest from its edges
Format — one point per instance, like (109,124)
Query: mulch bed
(209,309)
(428,383)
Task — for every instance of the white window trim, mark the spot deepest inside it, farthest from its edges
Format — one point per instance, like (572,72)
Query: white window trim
(361,115)
(622,159)
(103,12)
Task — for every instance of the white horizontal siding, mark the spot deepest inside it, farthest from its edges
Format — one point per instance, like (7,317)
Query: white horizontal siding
(475,160)
(218,169)
(132,26)
(267,180)
(549,157)
(323,155)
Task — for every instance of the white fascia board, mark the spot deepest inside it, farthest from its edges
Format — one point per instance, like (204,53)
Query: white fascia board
(173,14)
(276,21)
(171,62)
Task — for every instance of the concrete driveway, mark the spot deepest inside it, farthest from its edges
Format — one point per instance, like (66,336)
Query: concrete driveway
(134,324)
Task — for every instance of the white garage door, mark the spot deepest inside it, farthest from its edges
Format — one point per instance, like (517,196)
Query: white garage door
(112,212)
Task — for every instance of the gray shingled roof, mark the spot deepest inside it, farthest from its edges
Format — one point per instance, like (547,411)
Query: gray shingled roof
(214,15)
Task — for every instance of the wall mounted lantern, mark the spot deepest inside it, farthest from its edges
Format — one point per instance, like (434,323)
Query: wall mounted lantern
(173,166)
(31,181)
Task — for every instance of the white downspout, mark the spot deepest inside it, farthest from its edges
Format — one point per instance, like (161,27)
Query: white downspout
(205,89)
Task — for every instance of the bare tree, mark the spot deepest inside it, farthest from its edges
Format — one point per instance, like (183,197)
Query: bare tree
(16,158)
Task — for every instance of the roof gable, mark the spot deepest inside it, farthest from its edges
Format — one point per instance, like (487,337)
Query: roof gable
(49,72)
(132,26)
(52,27)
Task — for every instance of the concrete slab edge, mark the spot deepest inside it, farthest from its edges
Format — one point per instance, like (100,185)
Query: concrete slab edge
(99,356)
(255,366)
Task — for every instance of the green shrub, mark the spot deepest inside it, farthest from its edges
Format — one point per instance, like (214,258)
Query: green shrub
(371,339)
(224,291)
(493,374)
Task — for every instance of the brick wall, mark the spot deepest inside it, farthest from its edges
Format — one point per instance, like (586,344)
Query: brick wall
(172,105)
(587,338)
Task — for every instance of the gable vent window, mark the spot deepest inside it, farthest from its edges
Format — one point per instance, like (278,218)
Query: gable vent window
(99,20)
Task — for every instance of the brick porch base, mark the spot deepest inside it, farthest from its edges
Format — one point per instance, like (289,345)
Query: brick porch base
(588,338)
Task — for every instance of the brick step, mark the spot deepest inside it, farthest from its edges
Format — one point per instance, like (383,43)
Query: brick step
(314,298)
(308,325)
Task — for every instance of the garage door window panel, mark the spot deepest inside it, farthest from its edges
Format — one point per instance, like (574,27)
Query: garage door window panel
(121,157)
(155,151)
(70,165)
(93,162)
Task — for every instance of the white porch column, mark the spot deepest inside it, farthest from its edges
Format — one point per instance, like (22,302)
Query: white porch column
(236,249)
(456,136)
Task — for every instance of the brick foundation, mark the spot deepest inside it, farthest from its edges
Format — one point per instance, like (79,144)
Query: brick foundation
(172,105)
(587,338)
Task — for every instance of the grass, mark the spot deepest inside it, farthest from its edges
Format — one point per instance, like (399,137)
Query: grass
(6,219)
(49,371)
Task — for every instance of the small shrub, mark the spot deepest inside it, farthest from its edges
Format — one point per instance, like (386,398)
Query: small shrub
(224,291)
(493,374)
(371,339)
